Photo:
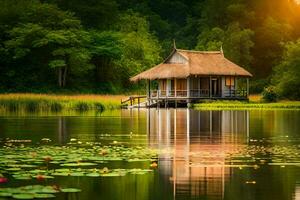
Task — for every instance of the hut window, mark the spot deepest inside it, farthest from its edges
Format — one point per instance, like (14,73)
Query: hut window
(229,81)
(181,84)
(163,85)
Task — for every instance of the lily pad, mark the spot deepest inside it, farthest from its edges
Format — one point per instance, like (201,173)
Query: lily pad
(60,174)
(5,194)
(70,190)
(113,174)
(77,174)
(23,196)
(44,196)
(95,174)
(138,160)
(78,164)
(22,177)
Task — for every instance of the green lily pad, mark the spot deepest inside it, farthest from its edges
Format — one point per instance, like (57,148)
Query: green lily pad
(139,160)
(78,164)
(95,174)
(5,194)
(70,190)
(14,169)
(113,174)
(77,174)
(62,170)
(23,196)
(22,177)
(44,196)
(60,174)
(47,190)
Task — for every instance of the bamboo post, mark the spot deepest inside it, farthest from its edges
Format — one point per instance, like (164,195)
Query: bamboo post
(175,87)
(247,88)
(188,87)
(209,86)
(199,87)
(230,86)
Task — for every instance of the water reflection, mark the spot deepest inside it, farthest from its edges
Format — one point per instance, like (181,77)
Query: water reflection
(188,132)
(186,126)
(196,142)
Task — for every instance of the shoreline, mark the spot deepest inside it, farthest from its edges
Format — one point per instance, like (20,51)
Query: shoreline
(29,102)
(284,105)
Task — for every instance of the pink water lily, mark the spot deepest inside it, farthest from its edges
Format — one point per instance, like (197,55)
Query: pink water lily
(3,180)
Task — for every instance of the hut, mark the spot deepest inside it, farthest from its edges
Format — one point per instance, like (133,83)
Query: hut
(189,76)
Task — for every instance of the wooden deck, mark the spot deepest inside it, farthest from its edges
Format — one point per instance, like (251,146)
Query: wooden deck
(158,98)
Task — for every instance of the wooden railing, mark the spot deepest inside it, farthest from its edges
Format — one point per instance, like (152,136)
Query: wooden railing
(199,93)
(171,93)
(196,93)
(236,93)
(133,100)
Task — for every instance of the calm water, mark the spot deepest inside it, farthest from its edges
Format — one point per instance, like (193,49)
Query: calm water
(199,141)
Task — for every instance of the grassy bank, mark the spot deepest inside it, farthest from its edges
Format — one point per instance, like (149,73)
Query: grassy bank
(255,103)
(57,103)
(235,105)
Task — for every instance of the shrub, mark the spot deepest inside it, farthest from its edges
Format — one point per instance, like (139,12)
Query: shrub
(82,106)
(31,106)
(269,94)
(99,107)
(56,107)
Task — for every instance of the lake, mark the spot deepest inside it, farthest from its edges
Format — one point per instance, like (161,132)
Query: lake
(228,155)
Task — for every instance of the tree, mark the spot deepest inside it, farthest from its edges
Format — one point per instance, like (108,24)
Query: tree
(238,44)
(105,48)
(268,48)
(235,41)
(211,40)
(140,49)
(287,73)
(93,14)
(54,37)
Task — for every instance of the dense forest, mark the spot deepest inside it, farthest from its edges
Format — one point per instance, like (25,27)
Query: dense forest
(96,45)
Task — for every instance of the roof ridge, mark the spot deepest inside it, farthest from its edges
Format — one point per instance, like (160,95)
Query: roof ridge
(195,51)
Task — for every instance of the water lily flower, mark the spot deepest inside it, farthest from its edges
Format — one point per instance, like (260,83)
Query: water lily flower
(105,170)
(153,165)
(3,180)
(46,140)
(47,159)
(40,177)
(103,152)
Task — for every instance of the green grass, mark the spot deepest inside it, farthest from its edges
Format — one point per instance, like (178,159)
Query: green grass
(58,103)
(237,105)
(255,103)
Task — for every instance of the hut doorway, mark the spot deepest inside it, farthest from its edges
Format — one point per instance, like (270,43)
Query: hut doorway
(215,87)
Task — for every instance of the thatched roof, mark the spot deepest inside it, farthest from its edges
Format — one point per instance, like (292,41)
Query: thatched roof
(196,63)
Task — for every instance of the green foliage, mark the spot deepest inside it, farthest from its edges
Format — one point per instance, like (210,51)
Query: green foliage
(141,50)
(55,33)
(211,40)
(96,46)
(287,73)
(236,42)
(268,40)
(269,94)
(93,14)
(257,85)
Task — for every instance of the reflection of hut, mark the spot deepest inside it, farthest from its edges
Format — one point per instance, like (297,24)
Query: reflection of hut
(199,140)
(192,75)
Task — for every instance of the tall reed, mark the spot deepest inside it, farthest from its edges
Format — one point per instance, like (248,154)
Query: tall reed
(57,103)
